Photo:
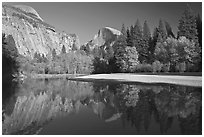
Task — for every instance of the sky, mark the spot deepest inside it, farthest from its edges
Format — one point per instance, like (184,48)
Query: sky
(85,19)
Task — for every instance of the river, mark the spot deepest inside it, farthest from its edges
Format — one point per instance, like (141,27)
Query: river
(64,107)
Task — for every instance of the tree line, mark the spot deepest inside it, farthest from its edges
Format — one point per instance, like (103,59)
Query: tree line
(137,50)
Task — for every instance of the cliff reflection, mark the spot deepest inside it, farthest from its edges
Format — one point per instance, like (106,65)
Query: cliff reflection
(36,102)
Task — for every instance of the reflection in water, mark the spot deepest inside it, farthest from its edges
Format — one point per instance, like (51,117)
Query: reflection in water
(29,106)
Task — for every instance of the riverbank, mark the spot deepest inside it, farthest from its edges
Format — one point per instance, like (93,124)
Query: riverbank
(195,81)
(40,76)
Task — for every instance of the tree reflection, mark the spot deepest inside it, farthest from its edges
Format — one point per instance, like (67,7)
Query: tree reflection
(36,102)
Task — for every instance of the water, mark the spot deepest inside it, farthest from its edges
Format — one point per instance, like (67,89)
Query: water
(60,106)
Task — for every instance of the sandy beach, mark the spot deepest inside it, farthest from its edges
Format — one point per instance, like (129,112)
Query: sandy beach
(195,81)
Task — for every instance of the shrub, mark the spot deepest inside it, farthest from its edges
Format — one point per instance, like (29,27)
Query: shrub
(181,67)
(143,68)
(156,66)
(166,67)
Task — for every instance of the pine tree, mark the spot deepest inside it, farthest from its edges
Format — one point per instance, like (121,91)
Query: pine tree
(74,47)
(187,25)
(146,31)
(153,44)
(162,31)
(126,56)
(123,30)
(199,29)
(63,50)
(132,32)
(146,42)
(137,36)
(119,48)
(129,38)
(169,30)
(54,54)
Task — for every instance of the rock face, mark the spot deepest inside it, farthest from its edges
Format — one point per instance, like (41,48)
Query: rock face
(105,37)
(32,34)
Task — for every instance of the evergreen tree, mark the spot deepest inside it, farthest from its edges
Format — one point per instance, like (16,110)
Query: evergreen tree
(169,30)
(63,50)
(187,25)
(146,42)
(74,47)
(54,54)
(153,44)
(123,30)
(36,55)
(199,29)
(132,32)
(119,48)
(10,65)
(162,31)
(131,56)
(146,31)
(137,36)
(129,38)
(126,57)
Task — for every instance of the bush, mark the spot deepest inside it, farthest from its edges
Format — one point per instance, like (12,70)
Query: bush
(156,66)
(143,68)
(181,67)
(166,67)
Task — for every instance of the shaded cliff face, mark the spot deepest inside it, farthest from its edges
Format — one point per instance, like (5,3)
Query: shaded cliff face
(32,34)
(105,37)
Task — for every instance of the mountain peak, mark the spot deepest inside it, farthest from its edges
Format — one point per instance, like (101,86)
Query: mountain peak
(28,9)
(114,31)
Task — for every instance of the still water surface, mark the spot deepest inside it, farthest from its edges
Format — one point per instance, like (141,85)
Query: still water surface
(60,106)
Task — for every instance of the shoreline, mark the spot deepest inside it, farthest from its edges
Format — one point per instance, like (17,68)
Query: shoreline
(195,81)
(40,76)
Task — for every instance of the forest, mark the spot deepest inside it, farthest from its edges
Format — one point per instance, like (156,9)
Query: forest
(137,50)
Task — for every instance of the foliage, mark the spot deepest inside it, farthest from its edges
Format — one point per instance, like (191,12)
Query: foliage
(156,66)
(162,32)
(166,52)
(100,66)
(129,38)
(126,56)
(144,53)
(137,36)
(166,67)
(177,51)
(169,30)
(181,67)
(187,25)
(54,54)
(143,68)
(152,45)
(9,55)
(63,50)
(188,51)
(199,29)
(123,30)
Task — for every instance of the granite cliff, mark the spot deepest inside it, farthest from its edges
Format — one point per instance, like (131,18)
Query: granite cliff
(105,37)
(32,34)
